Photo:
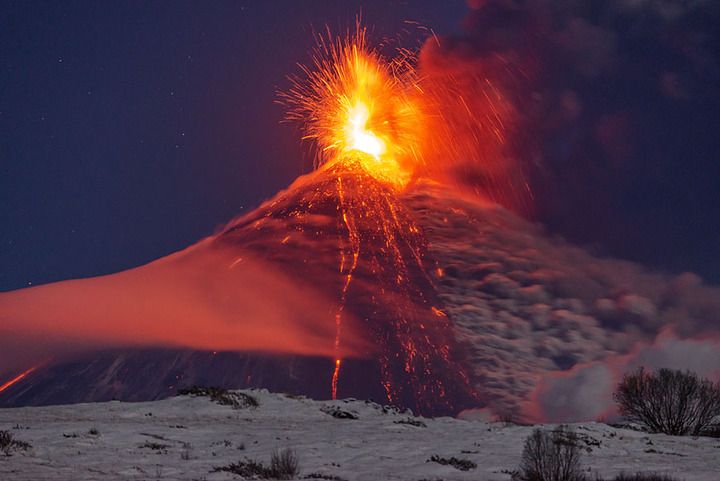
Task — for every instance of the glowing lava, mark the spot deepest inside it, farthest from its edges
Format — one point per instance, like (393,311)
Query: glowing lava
(17,378)
(357,106)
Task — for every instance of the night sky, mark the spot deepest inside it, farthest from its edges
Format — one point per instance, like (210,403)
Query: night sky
(129,130)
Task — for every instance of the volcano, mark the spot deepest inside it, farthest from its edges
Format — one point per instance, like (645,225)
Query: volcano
(459,302)
(376,276)
(385,285)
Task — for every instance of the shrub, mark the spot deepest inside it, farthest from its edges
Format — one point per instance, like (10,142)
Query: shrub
(284,464)
(668,401)
(161,448)
(8,443)
(553,456)
(411,422)
(327,477)
(246,469)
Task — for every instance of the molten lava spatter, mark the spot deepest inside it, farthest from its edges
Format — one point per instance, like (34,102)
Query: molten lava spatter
(353,101)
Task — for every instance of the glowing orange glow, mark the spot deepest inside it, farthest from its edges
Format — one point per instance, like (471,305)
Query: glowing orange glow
(356,105)
(193,300)
(438,312)
(336,376)
(17,378)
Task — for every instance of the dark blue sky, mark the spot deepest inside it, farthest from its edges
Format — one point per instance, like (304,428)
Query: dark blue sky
(129,130)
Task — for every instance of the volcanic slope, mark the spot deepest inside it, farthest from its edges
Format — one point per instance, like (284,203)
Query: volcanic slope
(463,304)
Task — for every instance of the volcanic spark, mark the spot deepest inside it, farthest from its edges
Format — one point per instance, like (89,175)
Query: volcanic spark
(355,105)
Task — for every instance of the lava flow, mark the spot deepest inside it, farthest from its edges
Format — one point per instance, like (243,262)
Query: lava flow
(17,378)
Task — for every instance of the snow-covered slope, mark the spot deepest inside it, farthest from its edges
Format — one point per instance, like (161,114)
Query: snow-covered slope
(186,437)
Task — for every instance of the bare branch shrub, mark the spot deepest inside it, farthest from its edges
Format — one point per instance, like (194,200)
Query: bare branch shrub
(668,401)
(8,443)
(284,464)
(553,456)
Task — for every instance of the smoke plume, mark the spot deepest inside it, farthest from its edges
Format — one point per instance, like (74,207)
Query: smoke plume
(609,110)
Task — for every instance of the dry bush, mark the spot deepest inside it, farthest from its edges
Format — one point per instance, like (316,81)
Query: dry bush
(668,401)
(8,443)
(553,456)
(457,463)
(284,464)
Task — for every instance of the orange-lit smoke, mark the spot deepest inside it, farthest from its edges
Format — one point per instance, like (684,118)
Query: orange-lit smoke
(208,296)
(419,113)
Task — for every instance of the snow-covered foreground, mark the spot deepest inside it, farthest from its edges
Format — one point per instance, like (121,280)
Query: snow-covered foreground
(186,437)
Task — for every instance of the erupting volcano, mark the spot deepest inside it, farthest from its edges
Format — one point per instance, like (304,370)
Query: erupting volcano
(364,116)
(359,111)
(375,276)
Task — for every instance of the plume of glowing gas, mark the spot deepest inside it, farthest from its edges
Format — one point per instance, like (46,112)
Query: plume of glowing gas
(209,296)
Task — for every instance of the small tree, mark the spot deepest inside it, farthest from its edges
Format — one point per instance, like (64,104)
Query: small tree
(668,401)
(551,456)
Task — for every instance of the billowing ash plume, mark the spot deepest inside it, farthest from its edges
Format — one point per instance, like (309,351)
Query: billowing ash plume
(548,327)
(613,113)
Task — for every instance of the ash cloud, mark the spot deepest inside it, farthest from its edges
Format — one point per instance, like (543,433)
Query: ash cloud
(549,327)
(613,118)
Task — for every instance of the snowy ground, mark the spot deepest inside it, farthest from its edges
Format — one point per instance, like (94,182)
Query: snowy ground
(185,437)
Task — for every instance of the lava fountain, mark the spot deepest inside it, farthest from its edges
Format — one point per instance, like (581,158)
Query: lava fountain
(361,112)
